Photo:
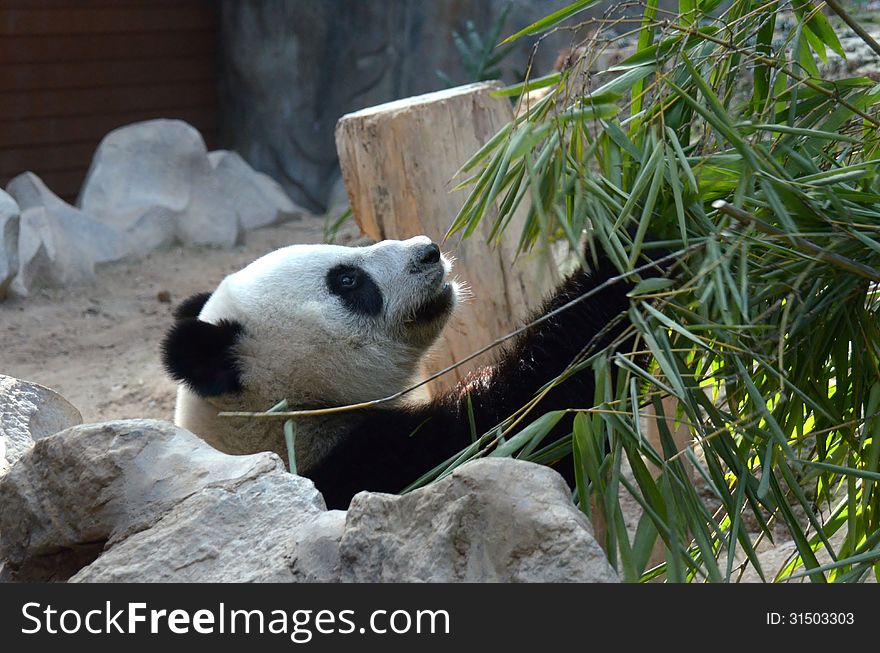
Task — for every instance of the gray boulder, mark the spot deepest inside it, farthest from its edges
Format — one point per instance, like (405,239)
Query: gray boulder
(258,199)
(47,257)
(142,181)
(314,549)
(147,229)
(145,164)
(92,486)
(31,192)
(492,520)
(58,244)
(29,412)
(9,228)
(156,182)
(210,219)
(232,532)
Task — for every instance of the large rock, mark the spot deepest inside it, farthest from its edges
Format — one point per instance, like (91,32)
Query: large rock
(314,549)
(58,244)
(9,228)
(210,219)
(257,199)
(143,181)
(145,164)
(233,532)
(147,229)
(92,486)
(492,520)
(29,412)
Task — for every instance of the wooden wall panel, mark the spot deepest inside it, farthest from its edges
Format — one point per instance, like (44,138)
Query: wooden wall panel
(73,70)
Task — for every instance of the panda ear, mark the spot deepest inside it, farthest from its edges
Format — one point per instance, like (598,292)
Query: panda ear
(192,306)
(202,355)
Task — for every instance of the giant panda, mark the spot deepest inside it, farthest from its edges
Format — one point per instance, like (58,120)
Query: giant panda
(326,325)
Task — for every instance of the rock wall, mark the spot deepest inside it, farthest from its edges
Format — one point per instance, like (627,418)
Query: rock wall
(290,69)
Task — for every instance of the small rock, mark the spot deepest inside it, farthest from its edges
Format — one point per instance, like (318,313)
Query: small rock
(258,200)
(210,219)
(29,412)
(163,297)
(9,228)
(105,245)
(492,520)
(46,257)
(58,244)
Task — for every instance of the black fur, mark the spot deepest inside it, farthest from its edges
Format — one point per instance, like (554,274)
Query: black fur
(192,306)
(362,295)
(202,355)
(435,307)
(382,453)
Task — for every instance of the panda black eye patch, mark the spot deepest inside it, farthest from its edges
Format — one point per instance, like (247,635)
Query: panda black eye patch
(357,290)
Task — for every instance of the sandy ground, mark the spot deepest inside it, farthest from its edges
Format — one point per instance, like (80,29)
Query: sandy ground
(98,344)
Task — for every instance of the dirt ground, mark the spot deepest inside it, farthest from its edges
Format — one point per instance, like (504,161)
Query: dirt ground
(98,344)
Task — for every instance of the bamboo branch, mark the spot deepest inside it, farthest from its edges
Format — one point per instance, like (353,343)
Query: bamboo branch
(746,218)
(853,25)
(773,63)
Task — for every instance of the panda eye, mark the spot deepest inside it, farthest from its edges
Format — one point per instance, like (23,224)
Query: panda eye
(355,289)
(348,280)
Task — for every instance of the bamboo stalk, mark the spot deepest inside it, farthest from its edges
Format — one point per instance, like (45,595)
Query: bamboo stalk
(853,25)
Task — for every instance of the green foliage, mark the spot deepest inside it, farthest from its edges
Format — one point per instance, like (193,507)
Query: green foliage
(479,54)
(334,224)
(720,138)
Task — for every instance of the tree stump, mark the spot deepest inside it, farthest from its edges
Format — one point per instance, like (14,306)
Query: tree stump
(399,162)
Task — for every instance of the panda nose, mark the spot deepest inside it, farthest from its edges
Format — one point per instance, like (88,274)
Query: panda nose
(428,255)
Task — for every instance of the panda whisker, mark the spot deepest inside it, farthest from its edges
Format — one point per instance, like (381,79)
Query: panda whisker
(464,292)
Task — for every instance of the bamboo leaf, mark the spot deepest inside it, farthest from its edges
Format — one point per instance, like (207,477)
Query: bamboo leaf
(549,22)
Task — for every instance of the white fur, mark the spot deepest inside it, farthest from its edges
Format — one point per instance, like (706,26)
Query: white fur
(302,344)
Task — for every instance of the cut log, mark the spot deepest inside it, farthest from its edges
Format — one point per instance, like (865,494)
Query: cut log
(399,162)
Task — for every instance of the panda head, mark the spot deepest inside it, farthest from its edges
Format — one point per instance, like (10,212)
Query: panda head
(314,324)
